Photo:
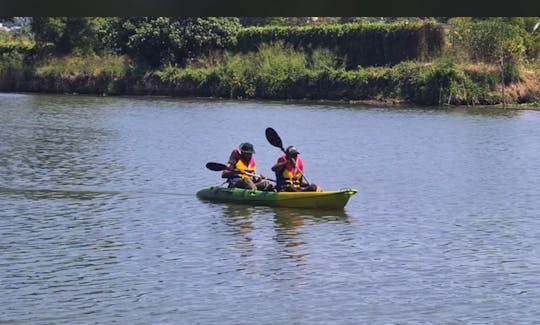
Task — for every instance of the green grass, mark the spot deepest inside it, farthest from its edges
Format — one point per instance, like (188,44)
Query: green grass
(278,71)
(94,66)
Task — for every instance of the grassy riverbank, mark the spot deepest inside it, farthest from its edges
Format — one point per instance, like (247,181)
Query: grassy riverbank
(276,72)
(416,64)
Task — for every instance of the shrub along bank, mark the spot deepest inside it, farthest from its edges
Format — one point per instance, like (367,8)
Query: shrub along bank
(402,64)
(363,45)
(271,73)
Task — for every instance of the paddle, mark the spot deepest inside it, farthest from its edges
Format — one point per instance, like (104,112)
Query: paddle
(217,167)
(273,137)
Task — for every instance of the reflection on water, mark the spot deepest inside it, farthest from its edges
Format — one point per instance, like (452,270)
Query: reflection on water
(239,222)
(485,111)
(312,214)
(239,218)
(288,218)
(289,227)
(289,224)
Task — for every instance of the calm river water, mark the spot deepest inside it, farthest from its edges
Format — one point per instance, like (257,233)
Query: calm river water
(99,222)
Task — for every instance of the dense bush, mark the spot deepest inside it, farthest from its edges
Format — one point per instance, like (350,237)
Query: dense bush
(159,41)
(280,72)
(372,44)
(64,35)
(354,61)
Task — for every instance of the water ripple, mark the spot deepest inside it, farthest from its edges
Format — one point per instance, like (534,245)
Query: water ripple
(99,222)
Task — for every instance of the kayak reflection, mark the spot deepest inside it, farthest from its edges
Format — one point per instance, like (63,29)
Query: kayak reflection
(239,218)
(251,232)
(286,216)
(289,229)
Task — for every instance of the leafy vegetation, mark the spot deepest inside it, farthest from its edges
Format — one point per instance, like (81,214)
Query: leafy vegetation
(365,44)
(90,65)
(281,72)
(427,61)
(163,40)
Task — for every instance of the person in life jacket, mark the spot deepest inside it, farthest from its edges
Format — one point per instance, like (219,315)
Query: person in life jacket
(241,169)
(289,171)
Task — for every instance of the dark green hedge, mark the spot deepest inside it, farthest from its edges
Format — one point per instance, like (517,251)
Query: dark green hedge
(357,44)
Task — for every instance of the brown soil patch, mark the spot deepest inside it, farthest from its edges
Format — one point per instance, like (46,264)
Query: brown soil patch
(528,89)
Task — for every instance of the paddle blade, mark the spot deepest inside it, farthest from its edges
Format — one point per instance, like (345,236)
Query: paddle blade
(273,138)
(216,166)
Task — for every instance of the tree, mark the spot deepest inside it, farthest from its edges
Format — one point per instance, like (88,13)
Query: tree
(500,42)
(152,40)
(468,35)
(47,30)
(160,40)
(496,41)
(66,34)
(202,35)
(459,37)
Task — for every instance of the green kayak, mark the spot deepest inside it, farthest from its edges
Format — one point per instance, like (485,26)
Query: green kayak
(328,200)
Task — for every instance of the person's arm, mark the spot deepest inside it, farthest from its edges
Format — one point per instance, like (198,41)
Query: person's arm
(280,164)
(303,180)
(229,172)
(256,178)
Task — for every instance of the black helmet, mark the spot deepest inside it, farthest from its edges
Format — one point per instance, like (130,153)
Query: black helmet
(291,150)
(246,147)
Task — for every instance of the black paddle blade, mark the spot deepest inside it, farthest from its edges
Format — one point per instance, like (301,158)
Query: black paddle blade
(273,138)
(216,166)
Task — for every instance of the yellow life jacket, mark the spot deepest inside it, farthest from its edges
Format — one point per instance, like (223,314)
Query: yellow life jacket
(293,175)
(251,167)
